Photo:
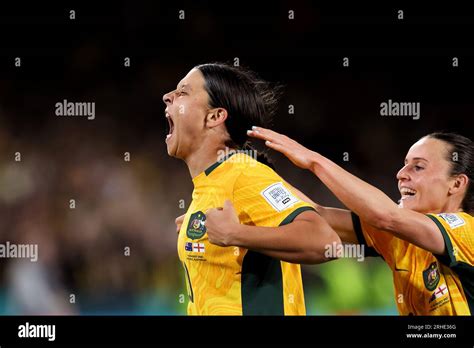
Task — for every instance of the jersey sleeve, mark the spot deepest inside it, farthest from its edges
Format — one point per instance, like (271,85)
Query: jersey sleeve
(263,198)
(458,238)
(375,242)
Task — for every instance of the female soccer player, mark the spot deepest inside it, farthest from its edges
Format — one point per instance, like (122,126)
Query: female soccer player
(208,114)
(427,240)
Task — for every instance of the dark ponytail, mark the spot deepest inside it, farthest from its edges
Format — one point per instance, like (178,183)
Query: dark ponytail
(249,101)
(461,157)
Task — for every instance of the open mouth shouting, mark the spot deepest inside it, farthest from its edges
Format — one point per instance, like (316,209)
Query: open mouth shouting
(171,126)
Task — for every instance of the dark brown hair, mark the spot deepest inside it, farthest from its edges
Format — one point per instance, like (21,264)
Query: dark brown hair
(249,101)
(461,157)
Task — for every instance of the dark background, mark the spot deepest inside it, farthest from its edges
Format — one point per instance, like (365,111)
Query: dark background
(133,204)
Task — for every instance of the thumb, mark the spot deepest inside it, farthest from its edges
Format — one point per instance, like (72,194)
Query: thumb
(228,205)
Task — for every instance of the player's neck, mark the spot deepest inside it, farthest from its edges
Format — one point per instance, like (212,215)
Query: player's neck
(453,205)
(205,156)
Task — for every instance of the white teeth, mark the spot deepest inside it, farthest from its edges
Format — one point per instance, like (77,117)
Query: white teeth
(407,191)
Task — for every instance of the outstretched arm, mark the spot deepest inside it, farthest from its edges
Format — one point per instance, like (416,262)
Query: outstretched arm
(305,240)
(340,220)
(370,203)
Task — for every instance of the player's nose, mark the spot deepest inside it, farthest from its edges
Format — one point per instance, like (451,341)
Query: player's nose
(402,174)
(168,98)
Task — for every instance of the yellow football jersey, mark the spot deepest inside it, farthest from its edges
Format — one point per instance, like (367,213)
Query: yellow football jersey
(232,280)
(428,284)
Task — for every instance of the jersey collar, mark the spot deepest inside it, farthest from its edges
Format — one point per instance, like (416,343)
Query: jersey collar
(218,163)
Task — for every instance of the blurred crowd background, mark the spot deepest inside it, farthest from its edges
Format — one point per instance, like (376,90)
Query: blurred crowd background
(115,252)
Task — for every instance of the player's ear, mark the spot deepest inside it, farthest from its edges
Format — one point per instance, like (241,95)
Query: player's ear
(216,117)
(459,184)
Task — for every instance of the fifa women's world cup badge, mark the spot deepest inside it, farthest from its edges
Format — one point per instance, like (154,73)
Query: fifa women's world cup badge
(196,226)
(431,276)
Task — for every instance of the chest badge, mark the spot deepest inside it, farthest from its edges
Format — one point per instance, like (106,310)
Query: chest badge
(431,276)
(196,225)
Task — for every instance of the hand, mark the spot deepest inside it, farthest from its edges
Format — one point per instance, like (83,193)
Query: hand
(179,221)
(296,153)
(222,224)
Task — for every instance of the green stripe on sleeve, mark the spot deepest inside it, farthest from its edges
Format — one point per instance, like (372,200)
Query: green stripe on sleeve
(450,260)
(464,271)
(294,214)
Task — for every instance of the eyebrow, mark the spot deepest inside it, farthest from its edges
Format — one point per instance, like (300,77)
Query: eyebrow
(417,159)
(185,85)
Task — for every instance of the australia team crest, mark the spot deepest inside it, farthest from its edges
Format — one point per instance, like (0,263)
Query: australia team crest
(431,276)
(196,225)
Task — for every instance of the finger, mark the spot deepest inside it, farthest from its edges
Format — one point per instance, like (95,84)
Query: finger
(256,134)
(270,134)
(262,135)
(179,220)
(228,205)
(210,211)
(277,147)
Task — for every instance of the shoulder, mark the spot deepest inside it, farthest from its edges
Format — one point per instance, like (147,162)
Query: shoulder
(249,168)
(453,221)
